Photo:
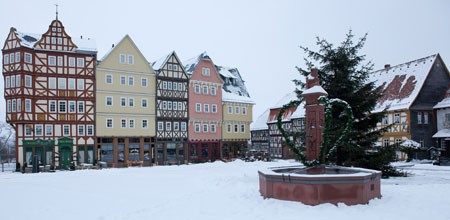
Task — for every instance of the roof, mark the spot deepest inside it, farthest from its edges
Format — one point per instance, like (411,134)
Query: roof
(289,114)
(232,97)
(286,99)
(189,65)
(234,87)
(443,133)
(445,102)
(261,122)
(402,83)
(159,63)
(315,89)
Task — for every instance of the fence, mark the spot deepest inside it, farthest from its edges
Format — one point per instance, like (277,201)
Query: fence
(7,167)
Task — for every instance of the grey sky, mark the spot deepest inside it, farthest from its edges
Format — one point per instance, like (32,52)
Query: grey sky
(259,37)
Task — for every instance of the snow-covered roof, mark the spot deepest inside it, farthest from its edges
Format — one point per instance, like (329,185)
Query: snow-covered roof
(445,103)
(261,122)
(288,114)
(315,89)
(410,144)
(226,72)
(443,133)
(233,87)
(285,100)
(299,112)
(190,64)
(401,83)
(28,40)
(232,97)
(85,44)
(159,63)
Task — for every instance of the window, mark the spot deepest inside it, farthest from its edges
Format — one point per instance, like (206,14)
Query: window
(144,123)
(71,61)
(205,89)
(197,128)
(62,106)
(71,83)
(160,126)
(27,81)
(214,108)
(90,130)
(80,62)
(183,126)
(28,105)
(60,60)
(122,58)
(206,71)
(164,85)
(213,90)
(28,130)
(54,38)
(205,128)
(164,105)
(11,58)
(52,83)
(123,80)
(422,143)
(19,105)
(13,105)
(61,83)
(130,59)
(180,87)
(180,106)
(131,81)
(206,108)
(80,83)
(168,126)
(197,88)
(8,82)
(236,128)
(425,117)
(213,128)
(18,82)
(123,123)
(244,110)
(397,118)
(38,130)
(8,107)
(175,106)
(242,128)
(144,82)
(447,120)
(144,103)
(236,110)
(13,81)
(28,58)
(386,142)
(71,106)
(419,117)
(80,107)
(398,142)
(198,107)
(52,107)
(131,123)
(131,102)
(169,85)
(66,130)
(109,123)
(228,128)
(52,60)
(109,101)
(169,105)
(17,57)
(175,86)
(230,109)
(109,79)
(80,130)
(176,126)
(123,101)
(169,66)
(6,59)
(385,120)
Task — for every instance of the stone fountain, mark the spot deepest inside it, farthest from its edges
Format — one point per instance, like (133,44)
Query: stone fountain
(319,184)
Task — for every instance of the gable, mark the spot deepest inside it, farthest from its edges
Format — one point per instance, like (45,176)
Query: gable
(213,76)
(170,66)
(56,38)
(12,41)
(124,49)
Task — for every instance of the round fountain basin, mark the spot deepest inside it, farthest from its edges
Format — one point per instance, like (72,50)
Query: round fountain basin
(331,184)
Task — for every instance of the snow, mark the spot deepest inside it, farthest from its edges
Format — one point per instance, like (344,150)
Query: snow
(85,44)
(443,133)
(158,64)
(261,122)
(419,69)
(208,191)
(445,103)
(190,64)
(315,89)
(232,97)
(410,144)
(27,39)
(285,100)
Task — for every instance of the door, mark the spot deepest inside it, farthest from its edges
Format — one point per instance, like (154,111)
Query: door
(65,158)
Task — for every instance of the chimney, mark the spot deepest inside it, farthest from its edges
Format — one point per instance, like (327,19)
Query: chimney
(81,36)
(113,45)
(387,66)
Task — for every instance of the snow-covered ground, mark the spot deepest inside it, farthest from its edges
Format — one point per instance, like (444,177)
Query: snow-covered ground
(206,191)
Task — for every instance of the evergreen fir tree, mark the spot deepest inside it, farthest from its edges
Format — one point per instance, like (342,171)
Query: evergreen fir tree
(344,74)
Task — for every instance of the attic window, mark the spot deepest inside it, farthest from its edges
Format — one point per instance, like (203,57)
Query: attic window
(29,38)
(206,71)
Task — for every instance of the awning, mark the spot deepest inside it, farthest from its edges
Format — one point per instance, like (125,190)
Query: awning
(443,133)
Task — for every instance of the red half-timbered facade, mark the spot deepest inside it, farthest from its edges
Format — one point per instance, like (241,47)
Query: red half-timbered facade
(172,118)
(50,96)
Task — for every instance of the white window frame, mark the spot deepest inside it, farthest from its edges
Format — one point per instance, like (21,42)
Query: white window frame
(180,106)
(164,105)
(80,104)
(28,131)
(243,128)
(74,104)
(236,128)
(107,123)
(131,102)
(425,118)
(198,107)
(18,81)
(164,85)
(206,108)
(205,128)
(175,106)
(80,84)
(80,62)
(27,105)
(244,110)
(205,89)
(213,128)
(18,57)
(228,128)
(48,130)
(80,130)
(109,79)
(123,123)
(176,126)
(160,126)
(62,84)
(168,126)
(71,82)
(180,86)
(213,90)
(71,61)
(123,101)
(230,109)
(52,83)
(175,86)
(132,123)
(144,123)
(419,117)
(66,128)
(237,110)
(144,82)
(7,82)
(397,118)
(206,71)
(214,108)
(122,58)
(183,126)
(169,85)
(8,106)
(197,127)
(13,81)
(19,105)
(109,101)
(169,105)
(197,88)
(11,58)
(131,80)
(37,128)
(144,100)
(6,59)
(13,105)
(50,104)
(130,59)
(28,58)
(28,81)
(52,60)
(60,60)
(90,130)
(59,106)
(123,80)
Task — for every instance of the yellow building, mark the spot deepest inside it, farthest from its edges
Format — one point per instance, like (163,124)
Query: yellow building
(237,113)
(125,117)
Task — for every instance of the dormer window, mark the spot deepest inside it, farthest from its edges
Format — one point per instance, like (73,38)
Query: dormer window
(206,71)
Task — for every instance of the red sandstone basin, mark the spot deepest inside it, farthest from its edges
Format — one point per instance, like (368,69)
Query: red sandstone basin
(334,185)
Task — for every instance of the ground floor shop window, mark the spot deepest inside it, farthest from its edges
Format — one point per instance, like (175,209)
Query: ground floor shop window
(159,152)
(180,151)
(133,152)
(193,150)
(147,155)
(121,153)
(171,151)
(107,153)
(205,152)
(86,154)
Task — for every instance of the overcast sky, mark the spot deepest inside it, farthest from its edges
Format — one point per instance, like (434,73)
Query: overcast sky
(259,37)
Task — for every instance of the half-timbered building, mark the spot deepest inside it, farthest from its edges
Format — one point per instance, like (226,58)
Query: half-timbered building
(237,113)
(125,117)
(442,136)
(260,132)
(205,109)
(50,95)
(172,93)
(410,90)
